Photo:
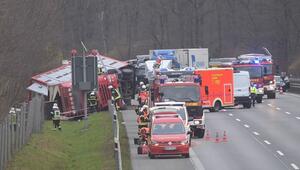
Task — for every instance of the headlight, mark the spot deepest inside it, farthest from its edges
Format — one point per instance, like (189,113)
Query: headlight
(260,90)
(196,122)
(271,82)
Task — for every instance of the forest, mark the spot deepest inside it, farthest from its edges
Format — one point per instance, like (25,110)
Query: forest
(35,35)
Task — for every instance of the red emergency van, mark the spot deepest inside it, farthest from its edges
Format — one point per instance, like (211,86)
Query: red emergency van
(216,87)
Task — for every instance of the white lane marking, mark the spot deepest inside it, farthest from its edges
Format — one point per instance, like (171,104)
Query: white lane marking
(238,120)
(294,166)
(267,142)
(256,133)
(230,114)
(280,153)
(270,105)
(247,126)
(278,108)
(298,118)
(195,160)
(288,113)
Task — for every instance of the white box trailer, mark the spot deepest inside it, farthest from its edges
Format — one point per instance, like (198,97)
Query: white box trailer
(149,71)
(192,57)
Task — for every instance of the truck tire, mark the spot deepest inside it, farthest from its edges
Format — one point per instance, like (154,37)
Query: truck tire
(186,155)
(201,133)
(151,156)
(217,107)
(259,100)
(247,105)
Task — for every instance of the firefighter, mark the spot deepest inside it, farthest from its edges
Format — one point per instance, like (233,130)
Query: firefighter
(143,95)
(13,116)
(56,116)
(253,91)
(157,63)
(143,118)
(100,70)
(92,101)
(116,96)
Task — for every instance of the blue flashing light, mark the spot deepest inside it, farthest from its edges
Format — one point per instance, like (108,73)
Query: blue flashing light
(256,61)
(196,80)
(189,69)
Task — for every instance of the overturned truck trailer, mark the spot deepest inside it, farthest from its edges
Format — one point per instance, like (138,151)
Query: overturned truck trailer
(56,86)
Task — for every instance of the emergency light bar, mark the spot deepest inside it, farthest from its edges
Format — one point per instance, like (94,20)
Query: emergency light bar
(255,57)
(177,73)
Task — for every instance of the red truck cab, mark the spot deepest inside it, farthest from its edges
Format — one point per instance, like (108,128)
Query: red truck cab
(255,70)
(168,136)
(182,86)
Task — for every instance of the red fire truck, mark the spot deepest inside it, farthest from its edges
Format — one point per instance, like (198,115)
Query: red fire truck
(255,69)
(216,87)
(181,86)
(268,74)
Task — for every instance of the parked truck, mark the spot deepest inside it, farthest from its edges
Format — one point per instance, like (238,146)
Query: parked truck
(181,58)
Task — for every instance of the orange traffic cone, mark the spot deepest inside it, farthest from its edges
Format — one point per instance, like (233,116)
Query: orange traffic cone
(224,137)
(207,137)
(217,137)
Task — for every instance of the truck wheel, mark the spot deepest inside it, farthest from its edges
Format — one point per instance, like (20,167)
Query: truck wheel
(151,156)
(247,105)
(217,107)
(201,133)
(259,100)
(186,155)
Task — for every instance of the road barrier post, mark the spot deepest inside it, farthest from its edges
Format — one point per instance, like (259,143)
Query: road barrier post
(116,133)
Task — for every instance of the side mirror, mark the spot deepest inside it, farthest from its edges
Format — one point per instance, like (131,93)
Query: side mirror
(206,90)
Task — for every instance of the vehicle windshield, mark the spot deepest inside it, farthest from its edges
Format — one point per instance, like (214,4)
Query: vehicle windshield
(254,71)
(268,69)
(180,111)
(168,128)
(180,93)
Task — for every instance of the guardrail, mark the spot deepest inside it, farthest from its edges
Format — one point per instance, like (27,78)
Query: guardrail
(116,133)
(295,83)
(16,129)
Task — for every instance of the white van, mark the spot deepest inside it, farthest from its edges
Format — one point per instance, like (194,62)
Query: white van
(242,93)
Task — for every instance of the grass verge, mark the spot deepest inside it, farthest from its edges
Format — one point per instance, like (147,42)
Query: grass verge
(71,148)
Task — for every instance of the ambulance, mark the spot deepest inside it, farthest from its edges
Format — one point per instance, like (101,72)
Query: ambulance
(217,89)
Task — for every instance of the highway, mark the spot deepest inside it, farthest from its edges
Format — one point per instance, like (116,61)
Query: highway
(264,137)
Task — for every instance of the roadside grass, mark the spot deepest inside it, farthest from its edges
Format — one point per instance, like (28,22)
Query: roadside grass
(125,149)
(72,148)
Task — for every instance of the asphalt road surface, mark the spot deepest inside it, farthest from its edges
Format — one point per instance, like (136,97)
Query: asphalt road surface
(265,137)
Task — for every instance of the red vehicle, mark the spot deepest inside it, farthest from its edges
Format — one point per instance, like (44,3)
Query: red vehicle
(216,87)
(268,74)
(168,136)
(255,69)
(56,86)
(182,86)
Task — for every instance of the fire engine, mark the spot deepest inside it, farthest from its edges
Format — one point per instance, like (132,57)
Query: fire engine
(181,86)
(216,87)
(268,75)
(255,69)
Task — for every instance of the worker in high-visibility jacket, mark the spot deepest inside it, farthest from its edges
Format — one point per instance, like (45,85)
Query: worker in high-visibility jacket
(92,101)
(143,96)
(56,116)
(253,91)
(157,63)
(143,118)
(116,96)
